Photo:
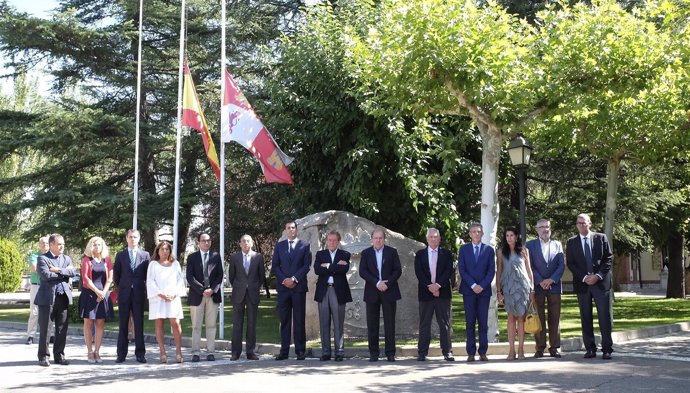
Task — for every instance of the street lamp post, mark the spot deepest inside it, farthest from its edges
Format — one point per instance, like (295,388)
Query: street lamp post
(520,154)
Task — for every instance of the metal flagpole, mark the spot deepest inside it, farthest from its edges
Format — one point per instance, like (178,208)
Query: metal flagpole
(179,130)
(221,310)
(136,137)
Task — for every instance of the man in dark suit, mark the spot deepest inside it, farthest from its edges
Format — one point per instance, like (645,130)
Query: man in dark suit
(547,269)
(589,258)
(332,293)
(380,268)
(246,274)
(53,299)
(129,275)
(290,264)
(204,275)
(477,267)
(433,267)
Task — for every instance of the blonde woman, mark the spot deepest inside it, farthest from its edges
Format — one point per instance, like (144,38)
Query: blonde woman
(165,285)
(94,301)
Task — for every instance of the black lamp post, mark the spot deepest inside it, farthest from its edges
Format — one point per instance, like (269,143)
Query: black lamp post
(520,153)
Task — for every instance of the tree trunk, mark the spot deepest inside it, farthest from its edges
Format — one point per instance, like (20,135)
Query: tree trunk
(676,268)
(492,143)
(614,167)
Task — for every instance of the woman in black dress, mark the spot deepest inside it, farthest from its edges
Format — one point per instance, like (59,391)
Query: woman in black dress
(94,301)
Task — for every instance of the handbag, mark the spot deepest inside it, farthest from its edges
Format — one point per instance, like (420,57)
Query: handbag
(532,321)
(113,298)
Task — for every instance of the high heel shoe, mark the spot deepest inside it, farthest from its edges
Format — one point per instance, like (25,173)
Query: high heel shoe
(90,358)
(521,354)
(179,358)
(164,358)
(511,355)
(97,357)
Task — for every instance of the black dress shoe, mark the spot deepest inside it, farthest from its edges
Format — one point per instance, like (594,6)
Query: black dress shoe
(590,355)
(554,353)
(210,358)
(52,339)
(250,356)
(421,358)
(449,358)
(606,356)
(29,340)
(374,359)
(390,358)
(301,356)
(44,363)
(141,359)
(282,356)
(470,358)
(483,358)
(63,362)
(325,358)
(120,360)
(236,356)
(539,354)
(339,358)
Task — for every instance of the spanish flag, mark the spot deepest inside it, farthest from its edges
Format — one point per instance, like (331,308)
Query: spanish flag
(193,117)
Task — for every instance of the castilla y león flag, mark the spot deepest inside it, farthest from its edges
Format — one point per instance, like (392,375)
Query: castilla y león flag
(239,123)
(193,117)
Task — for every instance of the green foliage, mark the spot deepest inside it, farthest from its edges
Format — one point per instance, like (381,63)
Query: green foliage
(11,266)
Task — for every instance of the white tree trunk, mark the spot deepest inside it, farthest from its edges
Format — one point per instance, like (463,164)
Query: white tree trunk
(492,142)
(613,168)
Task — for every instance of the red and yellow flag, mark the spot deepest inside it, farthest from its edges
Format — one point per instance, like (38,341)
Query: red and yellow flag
(193,117)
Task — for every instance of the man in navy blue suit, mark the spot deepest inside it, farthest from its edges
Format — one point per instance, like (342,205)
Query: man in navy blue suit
(433,266)
(589,258)
(332,293)
(53,299)
(290,264)
(205,276)
(477,267)
(129,275)
(380,268)
(547,264)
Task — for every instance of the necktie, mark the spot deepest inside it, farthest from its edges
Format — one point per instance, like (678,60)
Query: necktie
(588,256)
(59,289)
(476,252)
(205,267)
(290,248)
(132,260)
(246,264)
(434,260)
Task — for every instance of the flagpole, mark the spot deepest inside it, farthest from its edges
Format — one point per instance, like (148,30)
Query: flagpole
(221,317)
(179,131)
(136,137)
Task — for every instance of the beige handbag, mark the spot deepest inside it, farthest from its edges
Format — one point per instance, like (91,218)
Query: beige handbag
(532,322)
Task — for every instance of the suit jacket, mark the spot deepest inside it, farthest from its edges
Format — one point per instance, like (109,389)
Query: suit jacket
(131,284)
(291,264)
(601,261)
(244,284)
(338,272)
(195,277)
(542,269)
(476,271)
(391,270)
(50,281)
(444,269)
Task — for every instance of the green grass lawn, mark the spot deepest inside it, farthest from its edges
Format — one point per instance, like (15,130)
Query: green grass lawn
(629,313)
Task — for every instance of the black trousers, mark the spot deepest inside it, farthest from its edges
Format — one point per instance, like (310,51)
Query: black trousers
(137,310)
(373,320)
(427,309)
(238,312)
(291,311)
(602,299)
(58,313)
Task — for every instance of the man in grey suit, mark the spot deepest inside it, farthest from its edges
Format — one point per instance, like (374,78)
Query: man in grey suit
(246,273)
(547,264)
(55,270)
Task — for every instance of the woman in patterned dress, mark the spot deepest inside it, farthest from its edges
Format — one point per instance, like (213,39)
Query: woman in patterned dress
(94,301)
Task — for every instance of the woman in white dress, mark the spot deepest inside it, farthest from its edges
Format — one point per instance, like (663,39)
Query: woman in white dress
(165,285)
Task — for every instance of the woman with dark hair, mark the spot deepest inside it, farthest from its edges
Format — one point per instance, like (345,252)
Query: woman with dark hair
(515,287)
(164,286)
(94,301)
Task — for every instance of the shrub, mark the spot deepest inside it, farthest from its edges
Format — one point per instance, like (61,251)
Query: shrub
(11,266)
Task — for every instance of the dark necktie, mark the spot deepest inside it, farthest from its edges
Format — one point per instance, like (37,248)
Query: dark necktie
(132,259)
(291,246)
(476,253)
(588,256)
(60,290)
(205,267)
